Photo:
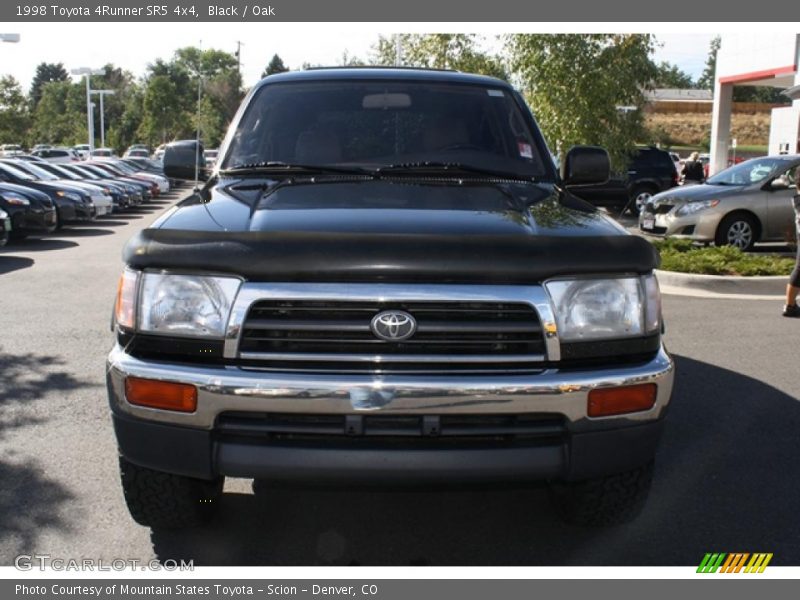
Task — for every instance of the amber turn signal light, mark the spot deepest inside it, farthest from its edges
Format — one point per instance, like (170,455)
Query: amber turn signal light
(605,402)
(165,395)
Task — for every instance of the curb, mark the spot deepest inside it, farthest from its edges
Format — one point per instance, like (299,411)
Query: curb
(725,284)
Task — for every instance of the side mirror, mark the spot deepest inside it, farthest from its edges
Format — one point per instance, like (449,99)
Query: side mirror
(586,165)
(183,159)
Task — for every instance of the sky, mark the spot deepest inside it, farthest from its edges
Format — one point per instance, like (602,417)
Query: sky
(133,46)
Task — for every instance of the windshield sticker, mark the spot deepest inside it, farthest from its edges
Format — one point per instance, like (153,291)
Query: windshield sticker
(525,150)
(496,93)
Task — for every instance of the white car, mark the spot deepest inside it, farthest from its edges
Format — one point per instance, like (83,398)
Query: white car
(57,155)
(103,153)
(210,157)
(9,150)
(82,150)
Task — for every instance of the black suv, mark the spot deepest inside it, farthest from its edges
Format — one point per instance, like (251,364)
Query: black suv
(384,280)
(650,171)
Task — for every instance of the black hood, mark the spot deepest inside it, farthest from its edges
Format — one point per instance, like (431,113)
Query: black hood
(389,231)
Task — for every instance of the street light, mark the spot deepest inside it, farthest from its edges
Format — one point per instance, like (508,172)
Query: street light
(89,121)
(103,93)
(12,38)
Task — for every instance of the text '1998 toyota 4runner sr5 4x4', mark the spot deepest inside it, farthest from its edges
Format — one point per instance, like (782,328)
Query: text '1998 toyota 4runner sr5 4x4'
(385,280)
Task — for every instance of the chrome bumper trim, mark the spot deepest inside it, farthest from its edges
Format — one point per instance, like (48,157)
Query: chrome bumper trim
(223,389)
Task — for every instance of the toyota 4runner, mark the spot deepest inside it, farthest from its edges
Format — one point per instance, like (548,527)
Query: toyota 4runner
(384,280)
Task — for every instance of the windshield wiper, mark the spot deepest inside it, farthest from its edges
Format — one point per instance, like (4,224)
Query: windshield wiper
(449,168)
(273,167)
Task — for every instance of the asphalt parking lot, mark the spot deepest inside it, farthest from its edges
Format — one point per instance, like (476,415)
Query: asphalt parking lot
(727,478)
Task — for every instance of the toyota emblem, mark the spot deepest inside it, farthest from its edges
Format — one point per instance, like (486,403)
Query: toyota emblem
(393,325)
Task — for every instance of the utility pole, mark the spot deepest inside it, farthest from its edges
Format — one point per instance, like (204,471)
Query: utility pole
(197,138)
(398,50)
(239,57)
(89,120)
(102,93)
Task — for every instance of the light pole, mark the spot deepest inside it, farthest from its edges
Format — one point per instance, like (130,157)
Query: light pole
(103,93)
(89,121)
(11,38)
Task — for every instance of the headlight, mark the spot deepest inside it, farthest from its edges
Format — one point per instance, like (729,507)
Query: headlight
(189,305)
(691,208)
(592,309)
(17,201)
(69,196)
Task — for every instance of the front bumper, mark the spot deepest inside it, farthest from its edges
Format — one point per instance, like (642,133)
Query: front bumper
(190,444)
(699,227)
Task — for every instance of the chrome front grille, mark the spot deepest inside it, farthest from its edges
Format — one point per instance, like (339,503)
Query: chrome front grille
(335,335)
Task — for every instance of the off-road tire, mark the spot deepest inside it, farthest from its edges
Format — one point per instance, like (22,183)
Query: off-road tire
(610,500)
(166,501)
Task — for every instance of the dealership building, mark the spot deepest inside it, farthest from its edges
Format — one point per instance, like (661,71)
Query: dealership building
(763,60)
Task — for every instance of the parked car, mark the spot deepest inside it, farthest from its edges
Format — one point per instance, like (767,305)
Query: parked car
(31,211)
(211,157)
(98,195)
(72,203)
(135,191)
(5,228)
(144,190)
(41,147)
(145,165)
(748,203)
(158,154)
(387,281)
(83,151)
(119,196)
(58,155)
(103,152)
(8,150)
(121,168)
(649,172)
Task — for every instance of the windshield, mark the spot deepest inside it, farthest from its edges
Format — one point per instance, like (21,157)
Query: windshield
(98,172)
(374,124)
(109,169)
(60,171)
(37,172)
(749,172)
(16,172)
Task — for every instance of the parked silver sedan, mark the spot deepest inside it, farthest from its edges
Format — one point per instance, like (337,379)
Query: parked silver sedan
(744,204)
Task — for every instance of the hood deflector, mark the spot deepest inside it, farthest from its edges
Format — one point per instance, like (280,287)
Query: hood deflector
(361,257)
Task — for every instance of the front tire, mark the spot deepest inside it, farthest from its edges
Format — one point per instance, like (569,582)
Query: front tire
(610,500)
(166,501)
(640,196)
(738,230)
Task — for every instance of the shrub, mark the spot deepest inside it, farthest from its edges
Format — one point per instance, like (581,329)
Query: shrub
(684,257)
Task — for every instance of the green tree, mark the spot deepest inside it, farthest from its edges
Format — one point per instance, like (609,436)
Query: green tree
(14,116)
(458,51)
(706,80)
(275,66)
(670,76)
(586,89)
(60,115)
(163,116)
(46,73)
